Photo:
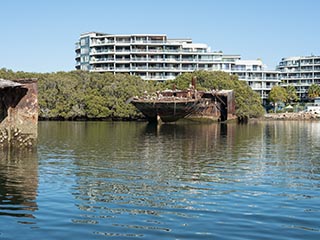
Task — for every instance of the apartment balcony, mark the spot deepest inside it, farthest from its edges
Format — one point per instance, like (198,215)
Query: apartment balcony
(174,51)
(138,50)
(272,79)
(261,87)
(306,69)
(156,59)
(298,84)
(306,77)
(122,60)
(290,78)
(122,69)
(164,51)
(289,64)
(156,42)
(100,43)
(122,52)
(159,78)
(162,69)
(188,69)
(171,59)
(206,60)
(306,63)
(102,69)
(186,51)
(290,70)
(139,59)
(252,79)
(188,60)
(152,43)
(139,42)
(236,69)
(101,52)
(139,68)
(101,60)
(125,43)
(173,69)
(152,69)
(306,83)
(257,79)
(292,84)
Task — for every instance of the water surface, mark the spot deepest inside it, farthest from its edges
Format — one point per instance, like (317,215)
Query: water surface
(101,180)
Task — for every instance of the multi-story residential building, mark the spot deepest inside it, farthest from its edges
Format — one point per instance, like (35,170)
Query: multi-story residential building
(300,72)
(255,73)
(156,57)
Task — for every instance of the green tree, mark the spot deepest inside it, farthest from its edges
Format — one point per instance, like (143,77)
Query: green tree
(278,94)
(314,91)
(292,95)
(81,94)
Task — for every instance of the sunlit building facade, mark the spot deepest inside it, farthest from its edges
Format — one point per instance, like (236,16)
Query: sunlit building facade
(255,73)
(156,57)
(300,72)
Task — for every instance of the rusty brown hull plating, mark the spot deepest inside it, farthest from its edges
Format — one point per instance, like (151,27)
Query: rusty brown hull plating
(168,111)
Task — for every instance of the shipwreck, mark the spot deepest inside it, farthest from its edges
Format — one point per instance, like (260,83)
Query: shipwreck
(18,113)
(172,105)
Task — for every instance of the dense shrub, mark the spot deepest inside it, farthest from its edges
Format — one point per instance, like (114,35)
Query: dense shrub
(84,95)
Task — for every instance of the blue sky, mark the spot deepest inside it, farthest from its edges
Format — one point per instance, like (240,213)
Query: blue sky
(39,36)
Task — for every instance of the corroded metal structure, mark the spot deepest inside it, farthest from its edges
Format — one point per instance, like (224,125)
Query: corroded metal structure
(18,113)
(216,106)
(172,105)
(168,105)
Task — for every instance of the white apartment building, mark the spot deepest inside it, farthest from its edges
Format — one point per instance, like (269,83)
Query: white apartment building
(300,72)
(156,57)
(254,72)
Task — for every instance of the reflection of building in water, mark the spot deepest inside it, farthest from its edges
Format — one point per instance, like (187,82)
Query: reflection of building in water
(18,183)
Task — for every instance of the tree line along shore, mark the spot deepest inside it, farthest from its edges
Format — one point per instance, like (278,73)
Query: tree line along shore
(81,95)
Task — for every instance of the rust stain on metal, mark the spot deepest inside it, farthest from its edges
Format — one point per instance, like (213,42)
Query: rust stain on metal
(171,105)
(18,113)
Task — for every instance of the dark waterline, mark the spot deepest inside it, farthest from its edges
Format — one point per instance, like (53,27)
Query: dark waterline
(127,180)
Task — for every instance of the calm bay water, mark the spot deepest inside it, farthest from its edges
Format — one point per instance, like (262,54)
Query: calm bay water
(101,180)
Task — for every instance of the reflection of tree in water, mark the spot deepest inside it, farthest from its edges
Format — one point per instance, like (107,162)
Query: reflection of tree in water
(140,170)
(191,141)
(202,150)
(287,139)
(133,163)
(18,183)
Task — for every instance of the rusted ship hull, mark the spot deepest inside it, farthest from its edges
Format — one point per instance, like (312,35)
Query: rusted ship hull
(167,111)
(172,105)
(18,113)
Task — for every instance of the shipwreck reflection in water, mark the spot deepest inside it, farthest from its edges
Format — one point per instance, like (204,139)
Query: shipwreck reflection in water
(18,184)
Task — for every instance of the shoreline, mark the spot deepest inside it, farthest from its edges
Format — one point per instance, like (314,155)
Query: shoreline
(291,116)
(300,116)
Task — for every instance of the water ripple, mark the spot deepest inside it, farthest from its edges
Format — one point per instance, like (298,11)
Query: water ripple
(100,180)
